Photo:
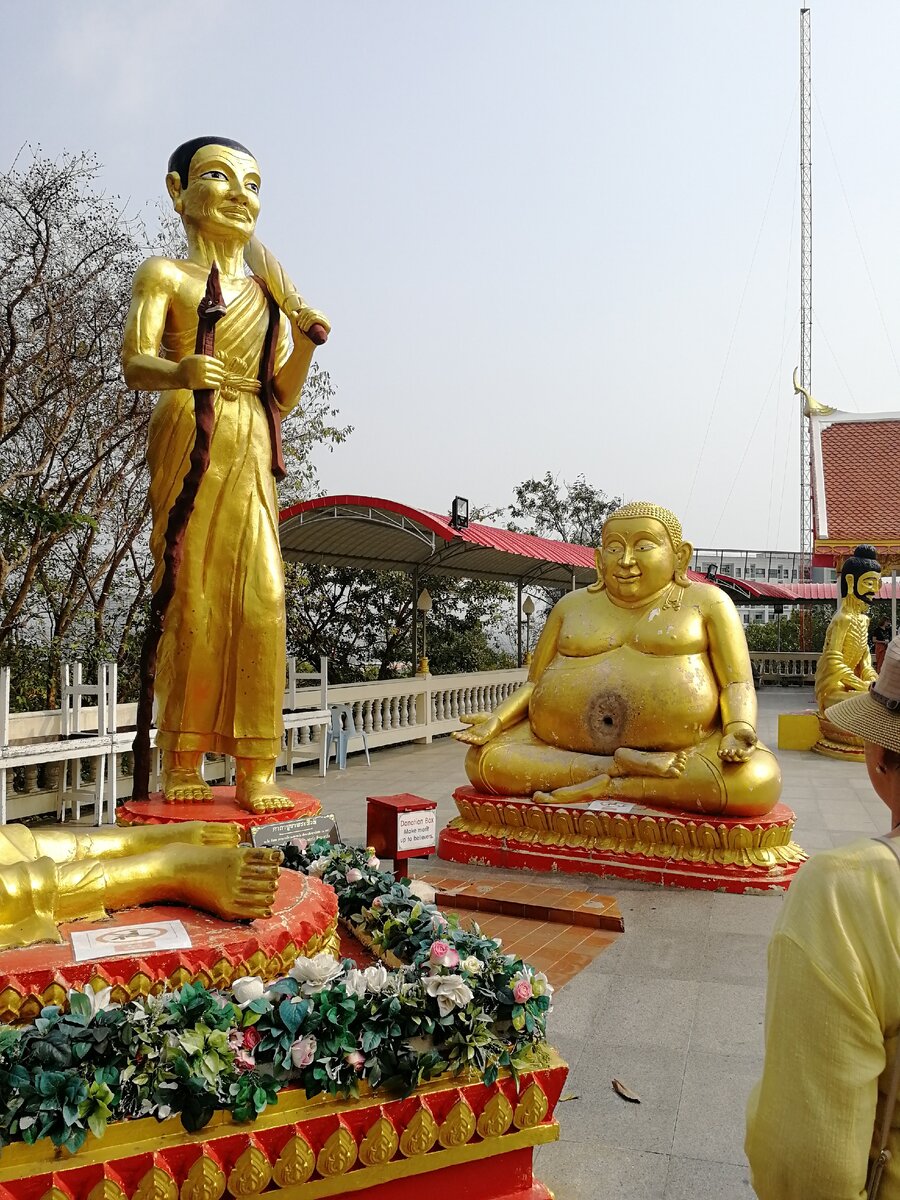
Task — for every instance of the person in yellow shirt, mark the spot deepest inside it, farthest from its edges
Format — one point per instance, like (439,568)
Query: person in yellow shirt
(815,1119)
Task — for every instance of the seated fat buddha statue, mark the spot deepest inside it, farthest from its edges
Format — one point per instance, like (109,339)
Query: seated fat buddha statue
(640,688)
(53,875)
(845,665)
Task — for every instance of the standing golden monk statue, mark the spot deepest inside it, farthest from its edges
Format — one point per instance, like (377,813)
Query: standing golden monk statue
(221,662)
(845,665)
(640,689)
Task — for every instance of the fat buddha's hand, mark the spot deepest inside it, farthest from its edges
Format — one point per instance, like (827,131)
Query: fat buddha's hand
(198,372)
(738,742)
(481,732)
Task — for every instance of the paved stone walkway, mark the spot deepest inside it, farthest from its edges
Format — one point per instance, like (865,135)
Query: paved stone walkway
(674,1009)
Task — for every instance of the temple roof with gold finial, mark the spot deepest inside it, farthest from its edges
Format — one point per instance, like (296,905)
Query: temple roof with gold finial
(856,497)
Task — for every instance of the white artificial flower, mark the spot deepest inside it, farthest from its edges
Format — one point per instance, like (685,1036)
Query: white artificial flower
(354,875)
(245,990)
(450,991)
(377,978)
(472,965)
(318,867)
(422,890)
(373,863)
(316,973)
(355,983)
(99,1001)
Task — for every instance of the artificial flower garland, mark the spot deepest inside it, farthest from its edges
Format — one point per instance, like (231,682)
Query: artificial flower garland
(454,1002)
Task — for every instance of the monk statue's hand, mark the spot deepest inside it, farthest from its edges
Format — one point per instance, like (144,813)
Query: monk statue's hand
(198,372)
(305,317)
(738,742)
(480,733)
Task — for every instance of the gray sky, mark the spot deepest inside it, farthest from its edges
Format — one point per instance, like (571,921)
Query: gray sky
(554,237)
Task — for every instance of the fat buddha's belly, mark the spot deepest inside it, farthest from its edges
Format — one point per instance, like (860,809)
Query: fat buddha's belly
(625,698)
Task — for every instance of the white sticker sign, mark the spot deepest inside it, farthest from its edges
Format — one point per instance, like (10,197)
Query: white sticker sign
(416,830)
(612,806)
(129,939)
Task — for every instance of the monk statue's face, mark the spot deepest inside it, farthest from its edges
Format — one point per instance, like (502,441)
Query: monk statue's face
(866,587)
(222,194)
(637,558)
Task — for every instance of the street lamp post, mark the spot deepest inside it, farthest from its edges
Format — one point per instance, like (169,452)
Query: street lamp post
(423,604)
(528,610)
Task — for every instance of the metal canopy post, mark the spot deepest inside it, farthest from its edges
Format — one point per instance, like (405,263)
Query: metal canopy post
(414,620)
(519,622)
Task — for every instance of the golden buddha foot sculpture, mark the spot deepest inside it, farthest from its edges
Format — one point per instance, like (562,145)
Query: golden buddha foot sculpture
(221,659)
(845,664)
(639,689)
(53,875)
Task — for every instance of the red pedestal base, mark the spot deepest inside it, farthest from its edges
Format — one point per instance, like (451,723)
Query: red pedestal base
(223,807)
(671,849)
(304,921)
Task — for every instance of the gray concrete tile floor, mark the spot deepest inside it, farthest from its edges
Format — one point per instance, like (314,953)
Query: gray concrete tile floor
(674,1008)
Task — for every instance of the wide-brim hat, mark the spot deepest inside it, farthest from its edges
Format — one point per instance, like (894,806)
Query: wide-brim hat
(875,715)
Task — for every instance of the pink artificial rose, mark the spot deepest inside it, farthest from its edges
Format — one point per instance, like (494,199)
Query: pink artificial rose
(354,875)
(377,902)
(299,844)
(356,1059)
(438,950)
(251,1039)
(303,1051)
(450,959)
(244,1061)
(522,991)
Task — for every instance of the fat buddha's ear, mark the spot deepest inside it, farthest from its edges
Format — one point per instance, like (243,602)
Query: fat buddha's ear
(683,556)
(174,188)
(598,585)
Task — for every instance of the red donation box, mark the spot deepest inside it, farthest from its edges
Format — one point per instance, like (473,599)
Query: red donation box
(401,827)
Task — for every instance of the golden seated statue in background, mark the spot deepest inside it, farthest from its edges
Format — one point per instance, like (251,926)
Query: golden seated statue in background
(845,664)
(53,875)
(640,689)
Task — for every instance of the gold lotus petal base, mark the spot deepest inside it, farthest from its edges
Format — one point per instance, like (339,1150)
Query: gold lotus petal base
(467,1138)
(673,849)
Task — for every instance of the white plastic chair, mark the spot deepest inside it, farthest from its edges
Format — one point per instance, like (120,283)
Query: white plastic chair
(343,730)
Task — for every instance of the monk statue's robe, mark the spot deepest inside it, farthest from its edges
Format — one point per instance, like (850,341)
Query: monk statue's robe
(221,665)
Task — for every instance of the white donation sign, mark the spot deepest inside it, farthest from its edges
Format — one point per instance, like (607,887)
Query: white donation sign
(416,830)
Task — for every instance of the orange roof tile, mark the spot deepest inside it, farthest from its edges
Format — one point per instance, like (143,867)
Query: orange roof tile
(857,497)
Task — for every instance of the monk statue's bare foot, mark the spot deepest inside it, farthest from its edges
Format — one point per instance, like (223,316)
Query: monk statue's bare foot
(140,838)
(576,793)
(182,782)
(238,884)
(655,764)
(255,787)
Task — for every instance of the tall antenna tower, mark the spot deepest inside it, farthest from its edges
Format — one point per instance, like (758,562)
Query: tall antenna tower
(806,529)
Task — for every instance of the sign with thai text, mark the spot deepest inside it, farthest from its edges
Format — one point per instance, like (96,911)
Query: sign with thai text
(279,833)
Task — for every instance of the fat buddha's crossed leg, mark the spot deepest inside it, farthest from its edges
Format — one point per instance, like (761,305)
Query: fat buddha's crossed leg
(516,763)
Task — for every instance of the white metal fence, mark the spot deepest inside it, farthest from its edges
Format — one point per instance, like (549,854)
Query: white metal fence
(46,769)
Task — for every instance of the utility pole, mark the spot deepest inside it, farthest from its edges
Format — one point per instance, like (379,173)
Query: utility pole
(806,529)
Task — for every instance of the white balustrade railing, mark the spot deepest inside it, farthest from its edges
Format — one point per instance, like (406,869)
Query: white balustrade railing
(390,711)
(783,667)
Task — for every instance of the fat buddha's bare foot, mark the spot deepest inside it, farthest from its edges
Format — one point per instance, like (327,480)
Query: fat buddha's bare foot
(255,788)
(238,884)
(182,782)
(576,793)
(655,764)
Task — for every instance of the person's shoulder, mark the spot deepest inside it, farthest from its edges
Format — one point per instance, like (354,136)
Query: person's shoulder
(835,874)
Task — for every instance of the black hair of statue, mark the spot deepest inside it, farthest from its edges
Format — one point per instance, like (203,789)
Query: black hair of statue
(861,562)
(182,156)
